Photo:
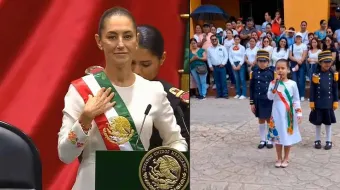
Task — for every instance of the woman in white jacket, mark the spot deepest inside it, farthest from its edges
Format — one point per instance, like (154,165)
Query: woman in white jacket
(281,51)
(97,104)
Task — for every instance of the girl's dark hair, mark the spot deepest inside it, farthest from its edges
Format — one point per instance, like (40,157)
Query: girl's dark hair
(310,34)
(151,39)
(115,11)
(193,39)
(278,44)
(317,42)
(264,39)
(269,24)
(237,36)
(287,64)
(321,21)
(253,39)
(304,22)
(324,46)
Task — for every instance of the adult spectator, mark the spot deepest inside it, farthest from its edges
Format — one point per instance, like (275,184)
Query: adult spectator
(217,57)
(321,33)
(297,55)
(268,20)
(334,21)
(268,30)
(198,32)
(246,32)
(204,41)
(228,26)
(304,32)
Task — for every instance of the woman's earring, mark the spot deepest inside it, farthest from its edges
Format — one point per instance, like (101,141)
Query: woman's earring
(100,47)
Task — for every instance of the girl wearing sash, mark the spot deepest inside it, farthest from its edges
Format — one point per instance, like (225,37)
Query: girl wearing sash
(286,113)
(148,59)
(104,110)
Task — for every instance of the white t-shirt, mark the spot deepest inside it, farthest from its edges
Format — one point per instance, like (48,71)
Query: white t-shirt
(313,55)
(298,50)
(305,37)
(282,54)
(251,53)
(228,43)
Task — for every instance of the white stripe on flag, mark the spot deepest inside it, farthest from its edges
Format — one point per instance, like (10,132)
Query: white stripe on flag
(109,114)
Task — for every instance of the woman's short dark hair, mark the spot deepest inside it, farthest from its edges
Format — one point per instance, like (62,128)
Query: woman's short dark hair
(151,39)
(237,36)
(252,38)
(304,22)
(115,11)
(321,21)
(193,39)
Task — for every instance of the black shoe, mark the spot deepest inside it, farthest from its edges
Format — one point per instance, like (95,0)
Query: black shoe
(328,145)
(269,146)
(317,144)
(262,145)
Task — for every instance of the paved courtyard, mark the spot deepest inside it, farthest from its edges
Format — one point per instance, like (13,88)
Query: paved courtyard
(224,154)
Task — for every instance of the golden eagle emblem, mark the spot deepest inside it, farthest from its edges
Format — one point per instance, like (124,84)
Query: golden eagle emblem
(119,131)
(164,168)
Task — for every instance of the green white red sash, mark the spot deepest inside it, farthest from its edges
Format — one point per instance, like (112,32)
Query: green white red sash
(289,108)
(91,84)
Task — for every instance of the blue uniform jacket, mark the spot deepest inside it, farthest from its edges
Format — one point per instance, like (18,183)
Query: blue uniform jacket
(259,83)
(324,90)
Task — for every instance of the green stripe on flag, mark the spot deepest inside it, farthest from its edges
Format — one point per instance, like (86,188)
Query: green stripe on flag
(120,108)
(289,117)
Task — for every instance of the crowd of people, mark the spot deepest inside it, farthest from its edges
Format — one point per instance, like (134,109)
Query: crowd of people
(218,55)
(278,62)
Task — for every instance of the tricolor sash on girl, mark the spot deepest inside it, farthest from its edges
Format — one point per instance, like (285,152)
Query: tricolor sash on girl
(116,125)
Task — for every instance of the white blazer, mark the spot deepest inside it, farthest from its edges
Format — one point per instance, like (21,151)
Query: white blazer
(136,98)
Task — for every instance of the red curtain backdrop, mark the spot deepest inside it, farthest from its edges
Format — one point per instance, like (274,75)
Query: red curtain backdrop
(45,44)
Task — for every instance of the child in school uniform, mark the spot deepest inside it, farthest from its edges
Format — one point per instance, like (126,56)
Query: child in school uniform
(324,98)
(286,113)
(261,106)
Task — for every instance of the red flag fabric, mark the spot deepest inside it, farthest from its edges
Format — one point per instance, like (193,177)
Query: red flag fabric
(45,44)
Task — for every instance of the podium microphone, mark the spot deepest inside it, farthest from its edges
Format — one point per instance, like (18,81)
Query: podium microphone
(147,110)
(181,114)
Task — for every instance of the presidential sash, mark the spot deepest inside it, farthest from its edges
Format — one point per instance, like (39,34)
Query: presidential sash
(116,125)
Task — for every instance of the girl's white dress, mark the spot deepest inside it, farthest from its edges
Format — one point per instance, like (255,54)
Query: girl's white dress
(283,127)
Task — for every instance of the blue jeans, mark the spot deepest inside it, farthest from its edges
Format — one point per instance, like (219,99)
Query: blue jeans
(300,78)
(240,78)
(201,82)
(220,80)
(230,72)
(311,70)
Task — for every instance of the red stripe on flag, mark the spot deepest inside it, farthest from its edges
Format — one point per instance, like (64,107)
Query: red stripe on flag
(101,119)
